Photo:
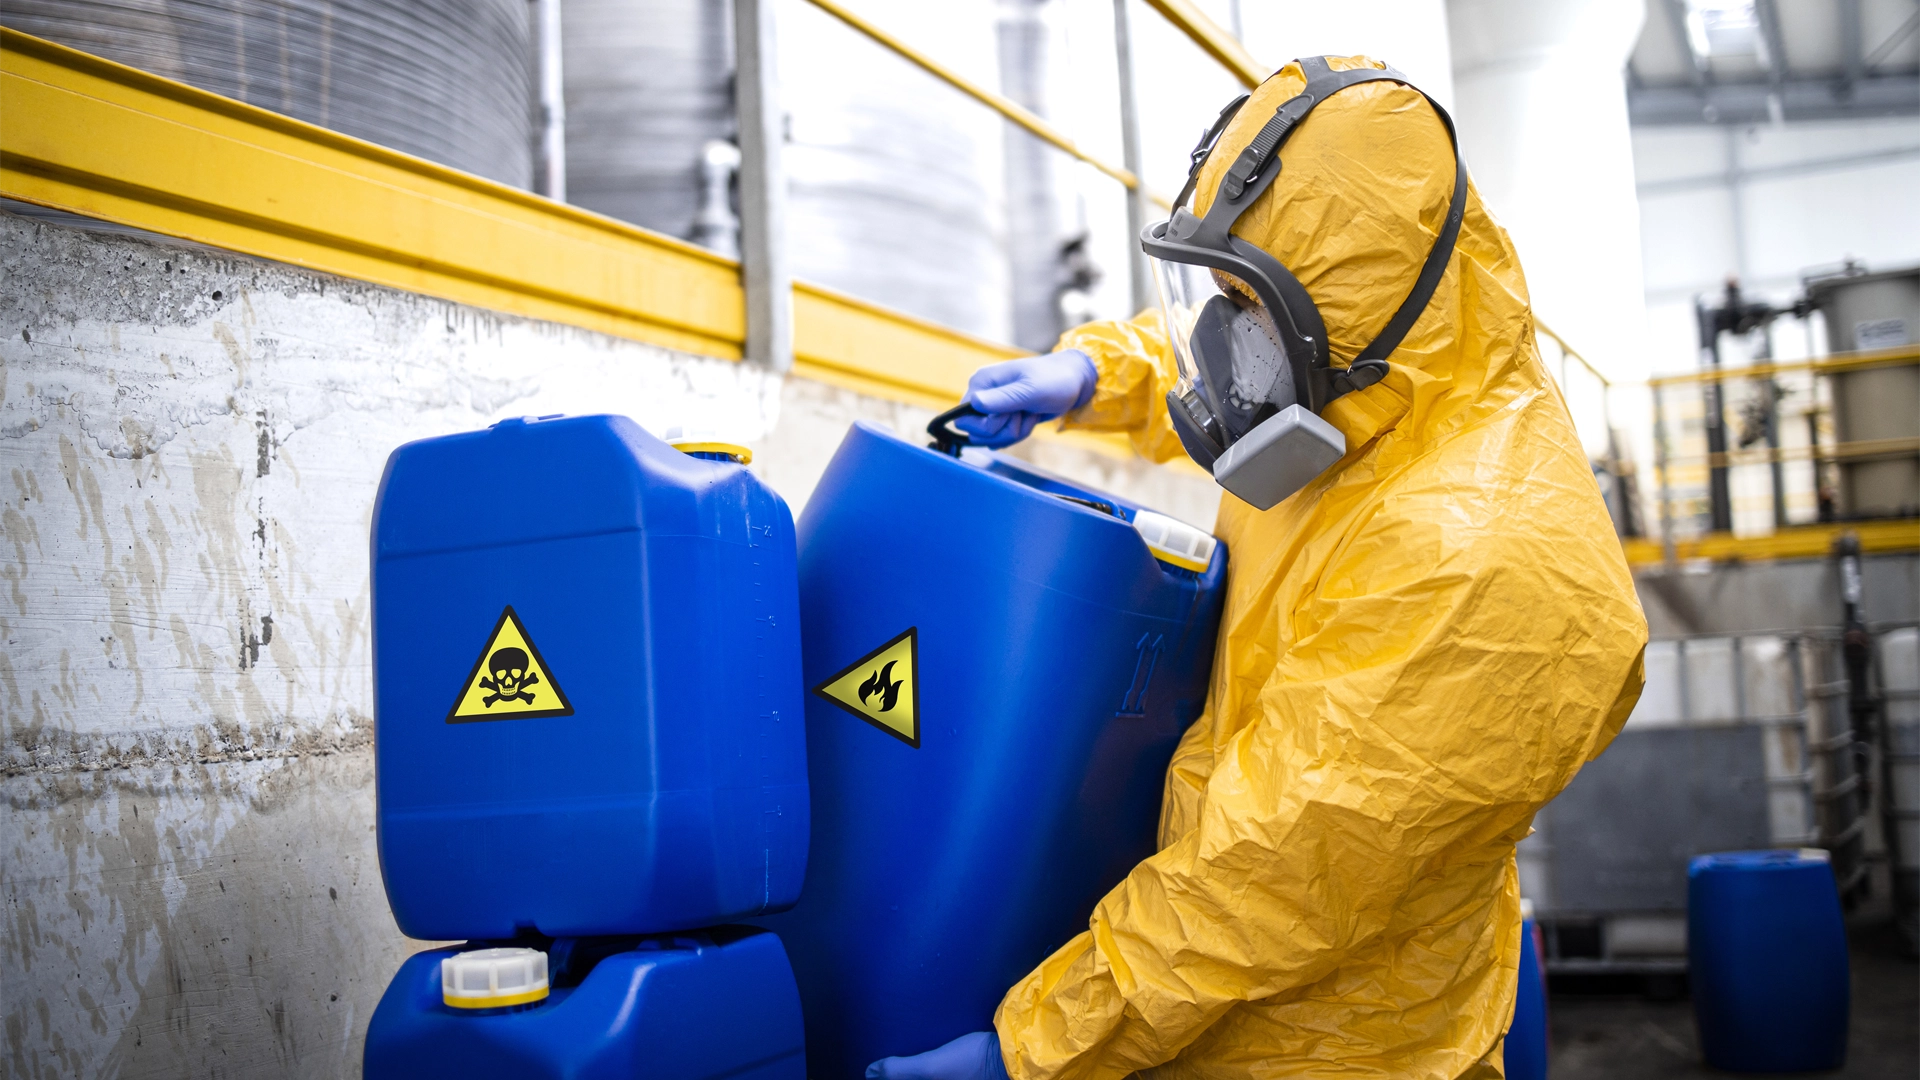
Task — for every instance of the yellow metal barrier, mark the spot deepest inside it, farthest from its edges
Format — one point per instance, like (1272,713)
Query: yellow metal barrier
(1794,542)
(1605,384)
(1214,40)
(1902,356)
(90,136)
(1005,106)
(1671,470)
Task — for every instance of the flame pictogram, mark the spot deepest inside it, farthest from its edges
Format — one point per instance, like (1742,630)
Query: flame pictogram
(882,687)
(881,682)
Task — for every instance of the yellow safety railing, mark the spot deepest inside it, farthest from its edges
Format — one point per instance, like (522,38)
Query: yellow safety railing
(1695,470)
(1793,542)
(169,158)
(1214,40)
(1828,365)
(1007,107)
(89,136)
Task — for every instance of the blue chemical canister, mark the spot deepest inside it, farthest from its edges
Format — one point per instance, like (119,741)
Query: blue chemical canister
(1526,1043)
(1767,961)
(1001,664)
(587,685)
(698,1006)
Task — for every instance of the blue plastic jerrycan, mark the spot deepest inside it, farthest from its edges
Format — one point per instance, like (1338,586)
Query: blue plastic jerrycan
(1001,664)
(588,712)
(1767,961)
(709,1004)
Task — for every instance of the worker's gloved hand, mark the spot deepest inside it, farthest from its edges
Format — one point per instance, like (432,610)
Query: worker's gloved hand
(1018,394)
(969,1057)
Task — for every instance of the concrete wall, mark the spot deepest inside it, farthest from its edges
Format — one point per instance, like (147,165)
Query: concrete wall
(1789,594)
(189,446)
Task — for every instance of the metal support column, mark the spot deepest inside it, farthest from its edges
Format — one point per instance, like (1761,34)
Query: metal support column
(1713,395)
(1777,468)
(1660,455)
(550,159)
(1137,270)
(764,273)
(1849,797)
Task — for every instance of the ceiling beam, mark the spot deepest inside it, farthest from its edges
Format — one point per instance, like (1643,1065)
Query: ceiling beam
(1885,48)
(1799,98)
(1677,18)
(1768,12)
(1853,46)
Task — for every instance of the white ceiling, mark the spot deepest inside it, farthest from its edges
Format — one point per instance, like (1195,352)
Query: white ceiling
(1824,73)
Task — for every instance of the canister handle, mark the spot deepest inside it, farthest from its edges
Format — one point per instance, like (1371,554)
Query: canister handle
(946,439)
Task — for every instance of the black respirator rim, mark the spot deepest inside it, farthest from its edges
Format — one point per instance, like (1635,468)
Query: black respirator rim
(1276,288)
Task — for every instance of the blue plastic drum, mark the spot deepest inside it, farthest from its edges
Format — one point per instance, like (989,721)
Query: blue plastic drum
(1767,952)
(1526,1044)
(1001,664)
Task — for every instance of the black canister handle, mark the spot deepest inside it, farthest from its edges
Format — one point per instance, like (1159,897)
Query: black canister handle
(946,439)
(951,442)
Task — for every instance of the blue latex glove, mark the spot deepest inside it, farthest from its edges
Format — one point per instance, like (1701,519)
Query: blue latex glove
(969,1057)
(1018,395)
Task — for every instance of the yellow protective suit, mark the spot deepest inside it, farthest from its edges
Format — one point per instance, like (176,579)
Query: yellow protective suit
(1418,650)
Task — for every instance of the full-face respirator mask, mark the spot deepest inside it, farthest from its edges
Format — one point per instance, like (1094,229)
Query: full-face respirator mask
(1254,370)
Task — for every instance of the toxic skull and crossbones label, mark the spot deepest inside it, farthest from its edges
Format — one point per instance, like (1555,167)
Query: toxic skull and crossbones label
(510,680)
(510,677)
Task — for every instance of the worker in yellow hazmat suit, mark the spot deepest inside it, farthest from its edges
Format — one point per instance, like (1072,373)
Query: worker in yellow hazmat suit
(1420,647)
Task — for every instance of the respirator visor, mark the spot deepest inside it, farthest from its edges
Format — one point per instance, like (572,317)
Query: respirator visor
(1238,403)
(1234,367)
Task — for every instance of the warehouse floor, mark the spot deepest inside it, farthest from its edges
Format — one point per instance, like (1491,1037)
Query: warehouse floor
(1608,1036)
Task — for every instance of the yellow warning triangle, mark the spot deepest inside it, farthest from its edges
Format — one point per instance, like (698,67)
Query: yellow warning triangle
(510,680)
(882,688)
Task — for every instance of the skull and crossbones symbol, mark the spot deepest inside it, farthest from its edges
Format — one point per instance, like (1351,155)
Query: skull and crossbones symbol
(510,677)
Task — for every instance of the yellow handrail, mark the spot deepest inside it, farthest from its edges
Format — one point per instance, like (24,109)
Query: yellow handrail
(1793,542)
(1763,455)
(1571,351)
(87,135)
(1828,365)
(1214,40)
(1005,106)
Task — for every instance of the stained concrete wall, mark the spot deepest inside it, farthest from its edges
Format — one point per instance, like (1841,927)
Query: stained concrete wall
(189,447)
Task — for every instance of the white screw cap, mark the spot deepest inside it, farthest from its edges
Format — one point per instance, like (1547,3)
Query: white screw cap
(1175,542)
(493,978)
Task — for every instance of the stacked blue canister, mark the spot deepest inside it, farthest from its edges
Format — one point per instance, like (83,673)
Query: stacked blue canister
(590,756)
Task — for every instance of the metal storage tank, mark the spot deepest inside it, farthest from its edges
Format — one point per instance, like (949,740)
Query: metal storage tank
(896,192)
(896,189)
(647,87)
(447,80)
(1033,178)
(1866,312)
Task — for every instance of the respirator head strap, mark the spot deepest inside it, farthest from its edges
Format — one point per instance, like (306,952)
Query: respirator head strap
(1203,149)
(1431,272)
(1370,365)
